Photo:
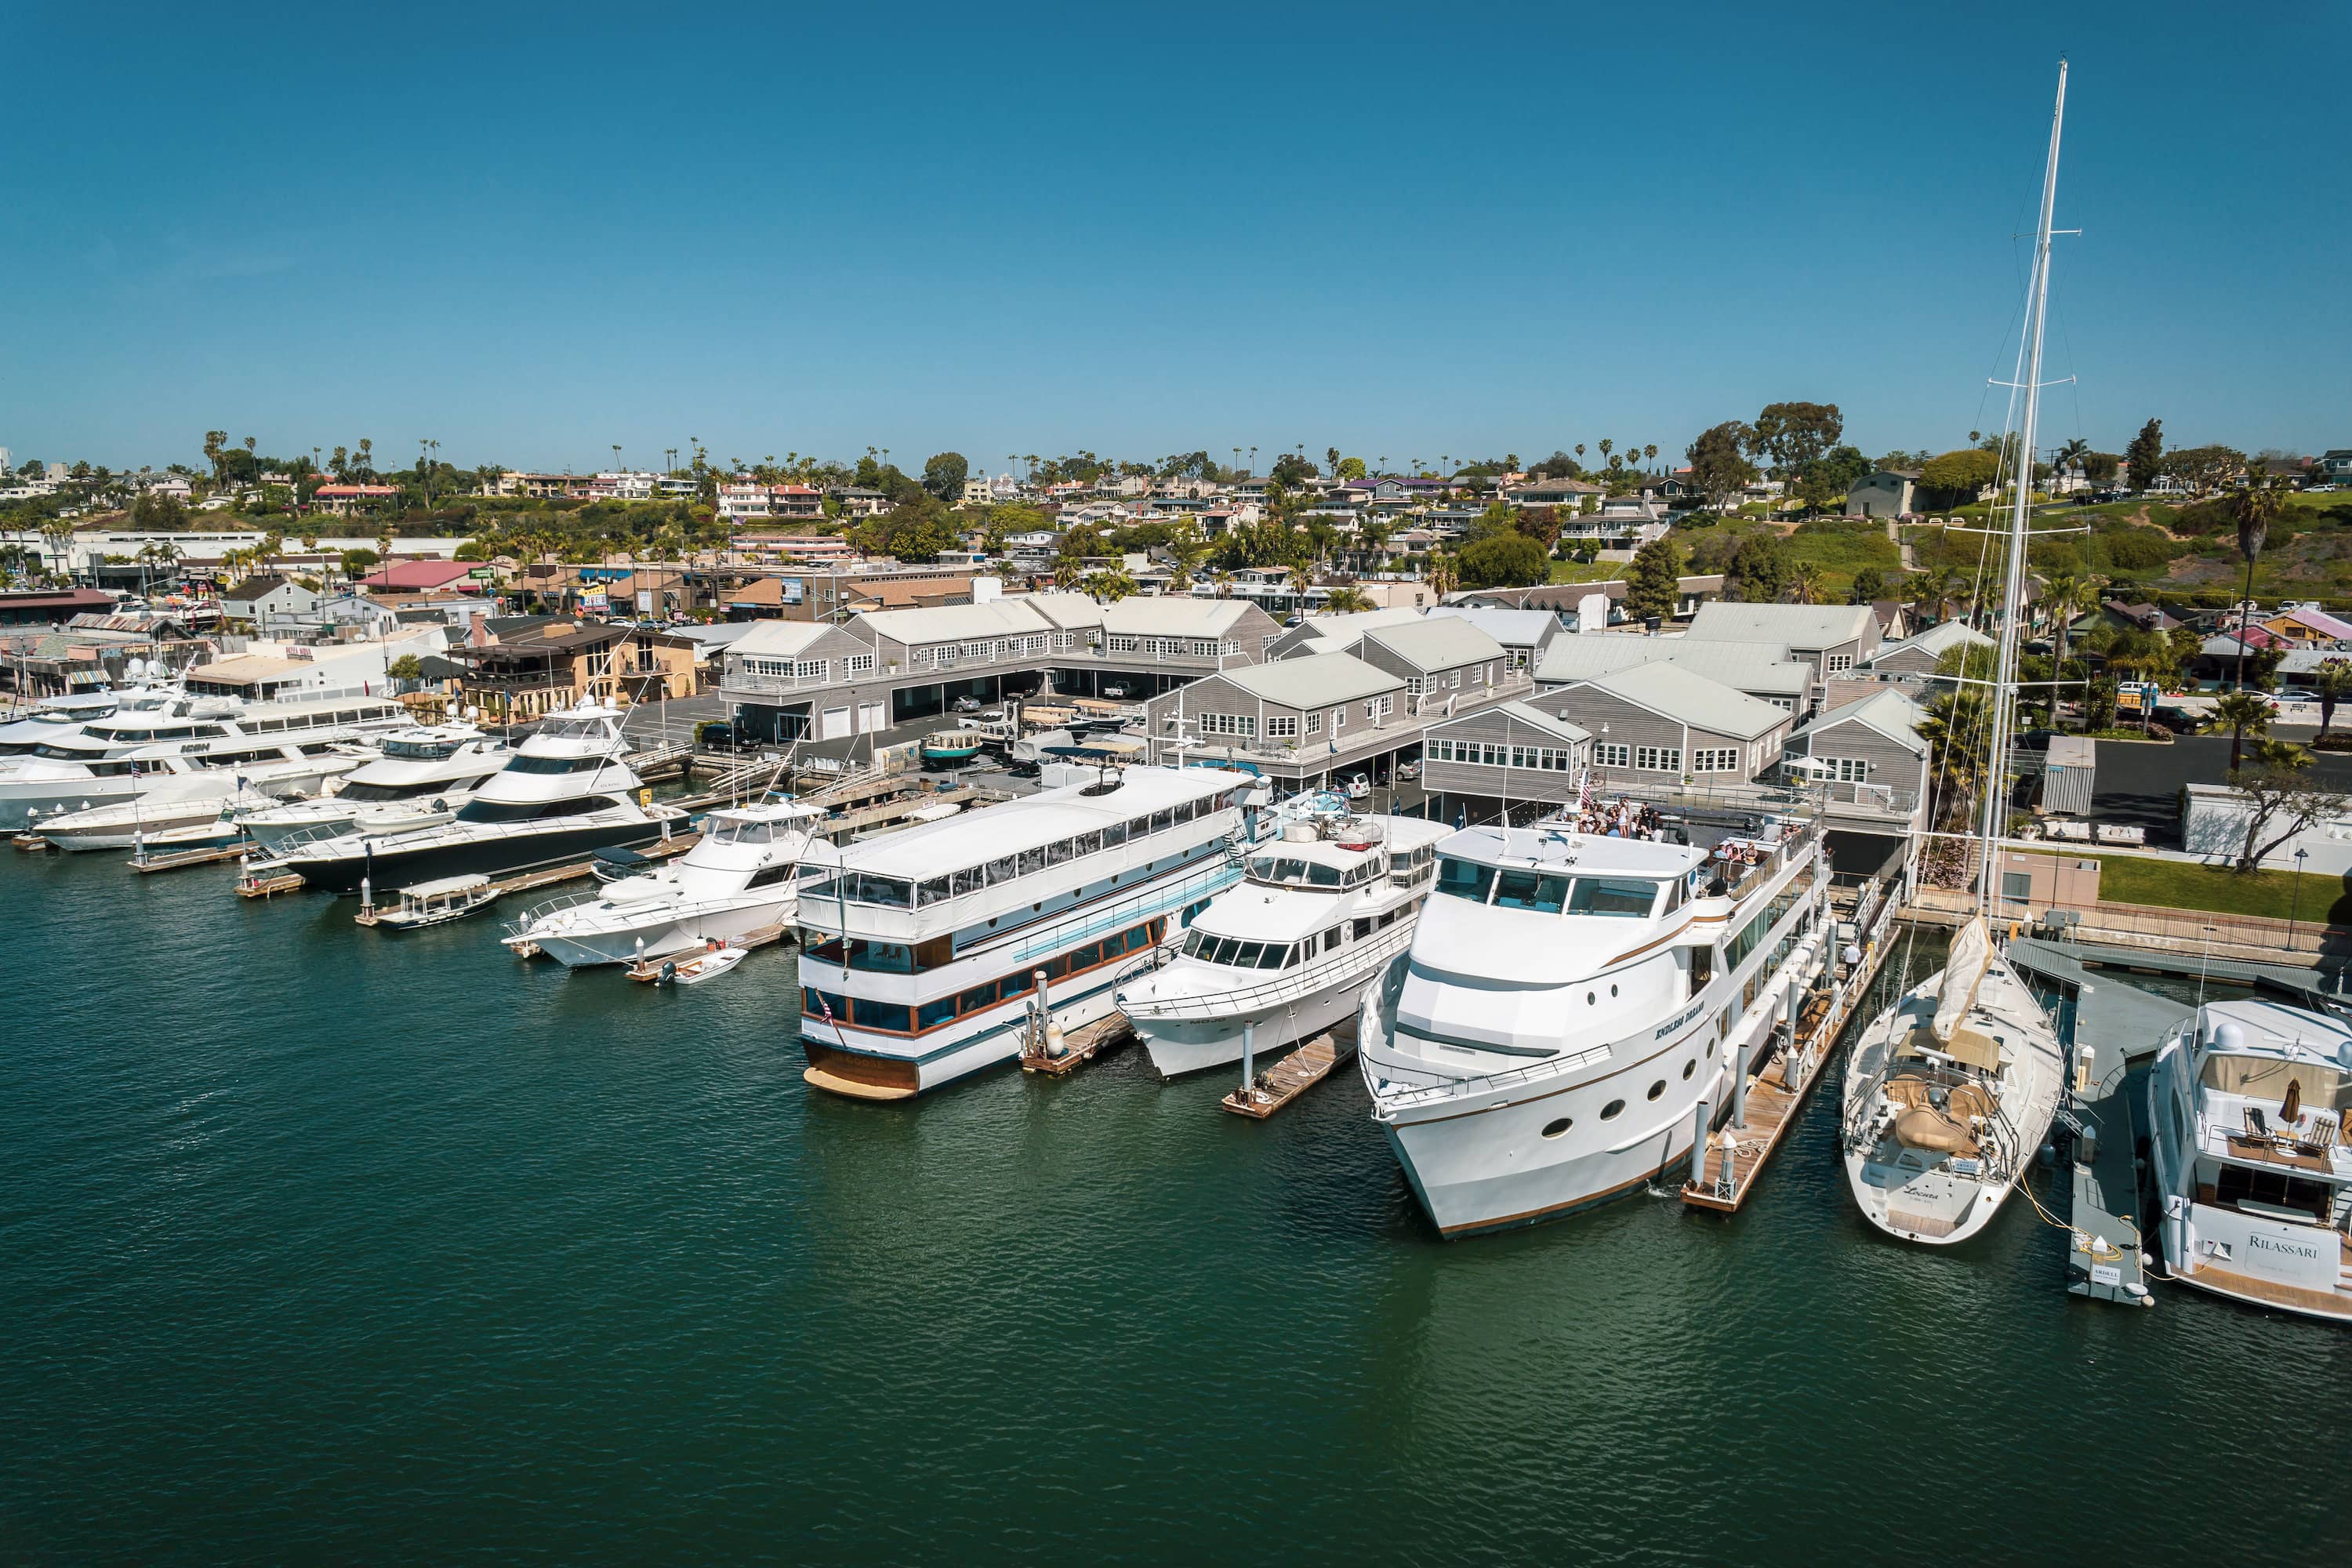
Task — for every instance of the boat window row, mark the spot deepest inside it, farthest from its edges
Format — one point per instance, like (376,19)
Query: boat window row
(575,730)
(161,732)
(533,810)
(906,893)
(905,1018)
(529,762)
(1296,872)
(378,791)
(1235,953)
(1546,892)
(253,724)
(736,830)
(420,751)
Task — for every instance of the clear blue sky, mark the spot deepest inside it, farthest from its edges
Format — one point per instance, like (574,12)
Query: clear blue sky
(1408,231)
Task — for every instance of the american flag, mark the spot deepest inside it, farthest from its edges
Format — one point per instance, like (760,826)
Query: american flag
(824,1006)
(1584,796)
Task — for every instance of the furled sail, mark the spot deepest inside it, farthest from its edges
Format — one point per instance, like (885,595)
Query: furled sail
(1963,973)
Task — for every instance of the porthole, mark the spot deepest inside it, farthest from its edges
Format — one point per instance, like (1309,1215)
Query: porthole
(1612,990)
(1688,1068)
(1590,998)
(1710,1048)
(1558,1127)
(1611,1110)
(1657,1089)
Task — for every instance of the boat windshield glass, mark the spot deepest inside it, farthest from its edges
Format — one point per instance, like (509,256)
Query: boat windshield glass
(1466,879)
(1612,895)
(1530,891)
(575,730)
(420,751)
(735,830)
(376,792)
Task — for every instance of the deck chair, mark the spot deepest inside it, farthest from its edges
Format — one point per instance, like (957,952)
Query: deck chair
(2257,1124)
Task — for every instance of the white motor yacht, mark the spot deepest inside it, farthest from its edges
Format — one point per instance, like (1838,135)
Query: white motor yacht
(2247,1109)
(564,795)
(1571,1002)
(741,876)
(934,952)
(135,753)
(54,716)
(422,776)
(1280,958)
(200,804)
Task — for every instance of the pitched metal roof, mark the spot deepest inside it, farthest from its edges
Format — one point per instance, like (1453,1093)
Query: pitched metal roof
(1442,642)
(1889,712)
(1319,681)
(1512,628)
(1799,625)
(1936,641)
(1751,667)
(948,623)
(1173,616)
(1523,712)
(779,637)
(1688,698)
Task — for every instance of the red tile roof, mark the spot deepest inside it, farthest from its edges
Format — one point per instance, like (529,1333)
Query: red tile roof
(418,575)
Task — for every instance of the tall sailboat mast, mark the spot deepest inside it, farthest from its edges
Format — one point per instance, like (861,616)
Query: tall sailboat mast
(2001,720)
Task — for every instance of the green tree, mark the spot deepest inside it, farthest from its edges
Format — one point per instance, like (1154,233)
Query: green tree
(944,475)
(2254,508)
(1652,585)
(1347,600)
(1956,478)
(356,562)
(1718,460)
(1792,435)
(2145,455)
(1869,585)
(1348,469)
(1807,583)
(1506,560)
(408,667)
(2244,714)
(1760,568)
(1827,478)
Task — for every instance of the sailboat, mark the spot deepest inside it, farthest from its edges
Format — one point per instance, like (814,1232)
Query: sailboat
(1951,1089)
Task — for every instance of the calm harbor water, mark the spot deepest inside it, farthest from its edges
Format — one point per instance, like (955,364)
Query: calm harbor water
(322,1244)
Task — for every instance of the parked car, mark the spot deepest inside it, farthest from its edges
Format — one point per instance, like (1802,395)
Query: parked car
(1359,788)
(1407,770)
(718,735)
(1024,767)
(967,704)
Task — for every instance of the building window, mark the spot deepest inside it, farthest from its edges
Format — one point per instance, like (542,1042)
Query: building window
(1839,663)
(1244,725)
(1413,684)
(1124,644)
(1315,722)
(1716,760)
(1606,755)
(2017,886)
(1282,727)
(810,669)
(1658,759)
(1379,707)
(857,664)
(1849,770)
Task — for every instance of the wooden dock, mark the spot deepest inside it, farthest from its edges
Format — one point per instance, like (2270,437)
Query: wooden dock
(1774,1098)
(762,936)
(175,859)
(1080,1046)
(255,885)
(1294,1075)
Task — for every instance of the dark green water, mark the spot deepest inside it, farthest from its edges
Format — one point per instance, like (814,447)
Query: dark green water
(323,1245)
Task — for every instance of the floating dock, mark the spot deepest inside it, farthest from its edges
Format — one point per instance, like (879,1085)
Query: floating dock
(173,861)
(1079,1046)
(650,968)
(2068,962)
(1736,1157)
(1294,1075)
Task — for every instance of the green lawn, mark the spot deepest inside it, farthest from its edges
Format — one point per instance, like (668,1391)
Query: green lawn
(1842,549)
(1589,571)
(2177,885)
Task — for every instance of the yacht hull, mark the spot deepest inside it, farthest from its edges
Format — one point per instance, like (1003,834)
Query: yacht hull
(391,867)
(664,931)
(1180,1046)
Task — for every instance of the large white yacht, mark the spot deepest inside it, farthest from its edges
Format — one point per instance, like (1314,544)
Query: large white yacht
(1569,1000)
(422,776)
(134,751)
(180,809)
(2247,1144)
(924,951)
(741,876)
(54,716)
(1287,953)
(1953,1087)
(564,794)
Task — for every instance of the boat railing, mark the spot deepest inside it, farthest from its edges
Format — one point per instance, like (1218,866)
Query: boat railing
(1122,913)
(521,925)
(1293,985)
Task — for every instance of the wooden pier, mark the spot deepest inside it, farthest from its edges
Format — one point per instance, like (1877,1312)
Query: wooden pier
(1294,1075)
(1079,1046)
(255,885)
(173,861)
(1736,1156)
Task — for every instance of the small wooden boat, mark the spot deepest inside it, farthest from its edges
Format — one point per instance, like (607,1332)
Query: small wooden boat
(433,903)
(690,969)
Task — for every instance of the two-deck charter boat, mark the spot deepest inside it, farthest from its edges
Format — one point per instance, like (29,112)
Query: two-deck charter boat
(923,951)
(286,747)
(423,776)
(564,794)
(1287,953)
(1951,1090)
(1570,1000)
(54,716)
(2248,1103)
(741,876)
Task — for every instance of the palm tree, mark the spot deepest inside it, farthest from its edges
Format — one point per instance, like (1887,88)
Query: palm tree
(1347,600)
(2246,713)
(2066,596)
(1302,578)
(1223,583)
(1649,452)
(1441,573)
(1806,584)
(2332,683)
(2256,507)
(1108,585)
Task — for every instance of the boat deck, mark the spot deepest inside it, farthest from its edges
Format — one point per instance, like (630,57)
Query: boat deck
(172,860)
(1773,1102)
(761,936)
(1294,1075)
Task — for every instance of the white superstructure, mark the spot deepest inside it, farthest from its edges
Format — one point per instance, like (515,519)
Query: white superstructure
(923,951)
(1287,953)
(2247,1106)
(133,751)
(741,876)
(421,776)
(1570,1001)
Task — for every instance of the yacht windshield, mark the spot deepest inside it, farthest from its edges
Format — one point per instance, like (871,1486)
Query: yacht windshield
(1466,879)
(372,791)
(1612,895)
(575,730)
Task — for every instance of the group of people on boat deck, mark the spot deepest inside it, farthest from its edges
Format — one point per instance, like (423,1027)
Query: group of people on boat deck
(1625,819)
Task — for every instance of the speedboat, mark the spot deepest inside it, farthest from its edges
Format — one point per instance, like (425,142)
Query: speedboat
(1572,1006)
(421,777)
(741,875)
(1286,955)
(2247,1144)
(562,795)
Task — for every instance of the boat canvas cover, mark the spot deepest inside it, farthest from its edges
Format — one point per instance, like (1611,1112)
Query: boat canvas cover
(1963,973)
